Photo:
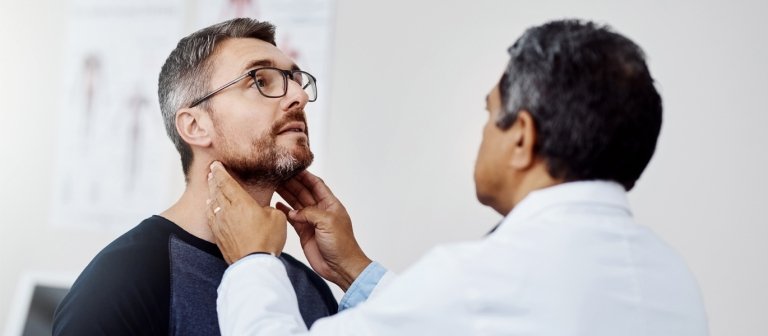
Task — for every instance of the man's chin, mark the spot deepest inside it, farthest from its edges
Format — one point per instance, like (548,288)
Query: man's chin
(302,154)
(304,158)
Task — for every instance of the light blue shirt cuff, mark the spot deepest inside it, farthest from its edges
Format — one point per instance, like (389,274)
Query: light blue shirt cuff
(362,287)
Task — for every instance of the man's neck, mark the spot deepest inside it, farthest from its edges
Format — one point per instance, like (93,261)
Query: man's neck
(190,211)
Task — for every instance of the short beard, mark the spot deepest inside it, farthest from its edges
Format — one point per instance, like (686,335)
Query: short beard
(268,164)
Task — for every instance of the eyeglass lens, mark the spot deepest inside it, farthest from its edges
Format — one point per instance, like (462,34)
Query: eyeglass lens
(273,83)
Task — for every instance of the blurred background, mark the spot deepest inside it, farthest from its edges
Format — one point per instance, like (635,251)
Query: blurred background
(402,88)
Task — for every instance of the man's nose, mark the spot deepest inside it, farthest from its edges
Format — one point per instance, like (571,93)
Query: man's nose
(295,96)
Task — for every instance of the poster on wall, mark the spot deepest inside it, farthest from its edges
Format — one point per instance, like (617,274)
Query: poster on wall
(304,33)
(114,163)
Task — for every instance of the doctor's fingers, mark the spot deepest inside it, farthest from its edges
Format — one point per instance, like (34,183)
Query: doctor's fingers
(289,197)
(317,186)
(300,192)
(303,229)
(225,226)
(221,185)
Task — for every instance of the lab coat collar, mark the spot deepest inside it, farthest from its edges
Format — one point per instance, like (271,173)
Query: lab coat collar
(606,193)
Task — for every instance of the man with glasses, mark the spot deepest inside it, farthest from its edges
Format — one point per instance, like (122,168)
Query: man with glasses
(227,94)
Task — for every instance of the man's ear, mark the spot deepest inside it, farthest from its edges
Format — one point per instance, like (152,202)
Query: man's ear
(523,137)
(194,126)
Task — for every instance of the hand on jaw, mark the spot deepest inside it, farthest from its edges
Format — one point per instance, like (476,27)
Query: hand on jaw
(242,226)
(324,229)
(239,224)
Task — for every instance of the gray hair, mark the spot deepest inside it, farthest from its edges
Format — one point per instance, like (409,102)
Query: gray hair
(186,73)
(591,96)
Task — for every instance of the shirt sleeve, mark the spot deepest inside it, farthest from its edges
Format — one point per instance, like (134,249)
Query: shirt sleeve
(363,286)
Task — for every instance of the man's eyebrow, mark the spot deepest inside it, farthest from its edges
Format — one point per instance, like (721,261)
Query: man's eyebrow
(487,99)
(265,62)
(257,63)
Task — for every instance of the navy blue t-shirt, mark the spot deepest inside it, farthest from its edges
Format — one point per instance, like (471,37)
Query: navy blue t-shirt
(158,279)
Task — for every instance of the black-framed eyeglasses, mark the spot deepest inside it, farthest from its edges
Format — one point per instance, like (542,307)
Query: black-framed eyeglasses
(272,83)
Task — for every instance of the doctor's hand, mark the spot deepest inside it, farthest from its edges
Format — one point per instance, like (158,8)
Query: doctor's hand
(240,225)
(324,229)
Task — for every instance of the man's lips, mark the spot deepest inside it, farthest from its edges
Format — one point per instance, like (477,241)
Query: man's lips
(295,126)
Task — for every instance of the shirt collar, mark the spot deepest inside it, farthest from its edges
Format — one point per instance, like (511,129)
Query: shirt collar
(605,193)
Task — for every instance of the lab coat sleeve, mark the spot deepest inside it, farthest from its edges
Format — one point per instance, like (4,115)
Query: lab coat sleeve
(256,298)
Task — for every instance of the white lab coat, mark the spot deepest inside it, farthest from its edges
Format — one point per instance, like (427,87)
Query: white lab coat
(568,260)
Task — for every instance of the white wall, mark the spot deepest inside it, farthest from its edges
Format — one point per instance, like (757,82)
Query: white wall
(406,115)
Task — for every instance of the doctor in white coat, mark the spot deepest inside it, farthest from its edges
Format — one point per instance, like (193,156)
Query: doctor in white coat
(572,124)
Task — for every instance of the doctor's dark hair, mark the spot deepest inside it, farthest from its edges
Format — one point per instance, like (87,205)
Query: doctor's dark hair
(588,89)
(186,73)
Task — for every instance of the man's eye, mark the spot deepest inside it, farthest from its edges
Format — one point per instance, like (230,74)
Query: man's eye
(260,82)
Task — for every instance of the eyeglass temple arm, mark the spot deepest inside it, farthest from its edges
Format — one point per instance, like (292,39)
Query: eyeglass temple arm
(232,82)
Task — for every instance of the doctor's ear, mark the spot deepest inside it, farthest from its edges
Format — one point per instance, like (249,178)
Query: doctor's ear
(194,126)
(523,136)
